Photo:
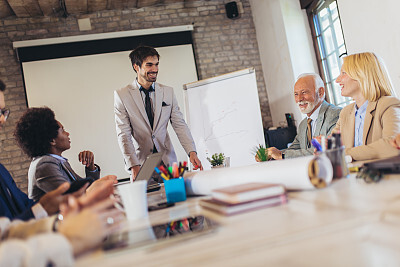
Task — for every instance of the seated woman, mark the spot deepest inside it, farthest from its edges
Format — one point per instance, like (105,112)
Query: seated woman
(368,125)
(44,139)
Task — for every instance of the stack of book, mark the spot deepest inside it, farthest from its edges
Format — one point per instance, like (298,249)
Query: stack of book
(245,197)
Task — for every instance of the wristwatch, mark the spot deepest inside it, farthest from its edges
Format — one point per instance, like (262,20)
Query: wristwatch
(59,218)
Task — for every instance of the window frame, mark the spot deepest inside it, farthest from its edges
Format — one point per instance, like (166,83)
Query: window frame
(313,7)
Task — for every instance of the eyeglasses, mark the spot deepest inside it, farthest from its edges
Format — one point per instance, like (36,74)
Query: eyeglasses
(5,112)
(369,176)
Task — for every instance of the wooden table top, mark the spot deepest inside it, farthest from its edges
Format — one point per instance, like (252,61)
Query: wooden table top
(349,223)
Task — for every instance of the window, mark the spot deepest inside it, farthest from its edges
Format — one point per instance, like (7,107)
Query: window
(330,45)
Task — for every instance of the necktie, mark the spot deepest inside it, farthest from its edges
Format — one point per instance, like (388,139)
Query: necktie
(147,101)
(309,132)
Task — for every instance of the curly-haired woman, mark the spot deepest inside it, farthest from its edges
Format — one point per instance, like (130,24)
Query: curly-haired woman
(44,139)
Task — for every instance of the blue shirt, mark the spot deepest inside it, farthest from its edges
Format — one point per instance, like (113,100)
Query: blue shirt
(359,124)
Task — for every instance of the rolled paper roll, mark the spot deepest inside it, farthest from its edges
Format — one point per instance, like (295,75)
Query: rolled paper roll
(294,174)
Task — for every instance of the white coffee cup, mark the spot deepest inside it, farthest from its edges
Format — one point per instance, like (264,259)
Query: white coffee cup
(134,198)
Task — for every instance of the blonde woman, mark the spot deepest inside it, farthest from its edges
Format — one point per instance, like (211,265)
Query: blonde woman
(368,125)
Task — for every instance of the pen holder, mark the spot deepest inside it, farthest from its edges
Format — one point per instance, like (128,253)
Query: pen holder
(339,165)
(175,190)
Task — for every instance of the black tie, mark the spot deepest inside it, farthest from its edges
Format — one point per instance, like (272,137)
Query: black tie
(148,108)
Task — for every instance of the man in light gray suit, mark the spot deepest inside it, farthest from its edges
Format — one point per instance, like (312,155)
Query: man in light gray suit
(142,112)
(309,94)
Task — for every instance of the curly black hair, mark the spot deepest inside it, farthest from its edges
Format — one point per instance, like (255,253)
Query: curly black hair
(35,130)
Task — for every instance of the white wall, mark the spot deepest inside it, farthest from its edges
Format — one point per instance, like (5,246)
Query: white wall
(374,27)
(286,50)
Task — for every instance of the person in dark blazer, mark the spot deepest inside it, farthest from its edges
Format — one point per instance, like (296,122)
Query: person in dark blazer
(44,139)
(14,203)
(143,110)
(309,94)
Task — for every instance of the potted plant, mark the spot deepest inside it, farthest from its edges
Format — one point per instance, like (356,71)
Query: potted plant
(262,153)
(217,160)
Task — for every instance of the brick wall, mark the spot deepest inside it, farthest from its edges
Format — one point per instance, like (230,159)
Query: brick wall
(221,45)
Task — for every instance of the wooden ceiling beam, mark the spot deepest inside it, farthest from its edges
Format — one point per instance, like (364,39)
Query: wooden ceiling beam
(5,9)
(25,8)
(76,6)
(49,7)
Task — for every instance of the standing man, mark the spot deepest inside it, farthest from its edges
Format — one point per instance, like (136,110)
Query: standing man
(309,94)
(142,111)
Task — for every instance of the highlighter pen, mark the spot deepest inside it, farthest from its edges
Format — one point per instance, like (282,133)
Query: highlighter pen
(180,168)
(315,144)
(163,170)
(182,172)
(165,177)
(171,171)
(175,171)
(161,174)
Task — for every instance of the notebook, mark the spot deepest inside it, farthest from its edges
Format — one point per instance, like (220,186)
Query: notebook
(247,192)
(231,209)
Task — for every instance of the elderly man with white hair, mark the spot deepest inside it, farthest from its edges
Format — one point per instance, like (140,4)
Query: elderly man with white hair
(309,94)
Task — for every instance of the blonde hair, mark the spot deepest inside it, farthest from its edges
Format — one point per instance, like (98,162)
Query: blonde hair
(371,74)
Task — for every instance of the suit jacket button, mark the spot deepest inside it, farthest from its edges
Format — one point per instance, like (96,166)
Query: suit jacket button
(153,136)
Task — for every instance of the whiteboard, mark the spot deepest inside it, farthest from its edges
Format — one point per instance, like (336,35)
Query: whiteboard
(223,114)
(80,91)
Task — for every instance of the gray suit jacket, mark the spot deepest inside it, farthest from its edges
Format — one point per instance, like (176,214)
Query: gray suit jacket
(135,136)
(46,173)
(327,118)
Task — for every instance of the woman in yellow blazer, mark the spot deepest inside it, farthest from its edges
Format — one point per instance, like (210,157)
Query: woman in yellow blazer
(368,125)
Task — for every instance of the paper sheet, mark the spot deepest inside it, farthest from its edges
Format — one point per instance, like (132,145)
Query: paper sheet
(292,173)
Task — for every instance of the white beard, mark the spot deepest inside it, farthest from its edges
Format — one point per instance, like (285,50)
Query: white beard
(308,109)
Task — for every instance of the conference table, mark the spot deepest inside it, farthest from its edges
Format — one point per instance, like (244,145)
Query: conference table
(348,223)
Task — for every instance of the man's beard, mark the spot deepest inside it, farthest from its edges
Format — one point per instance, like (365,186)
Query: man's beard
(151,79)
(308,109)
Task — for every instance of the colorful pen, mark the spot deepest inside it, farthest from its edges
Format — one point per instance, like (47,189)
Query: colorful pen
(175,171)
(162,168)
(161,173)
(315,144)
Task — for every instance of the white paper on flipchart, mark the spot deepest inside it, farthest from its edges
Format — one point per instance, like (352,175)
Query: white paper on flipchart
(292,173)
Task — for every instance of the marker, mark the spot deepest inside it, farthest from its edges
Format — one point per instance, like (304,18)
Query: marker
(180,168)
(315,144)
(353,169)
(163,170)
(170,169)
(161,174)
(175,171)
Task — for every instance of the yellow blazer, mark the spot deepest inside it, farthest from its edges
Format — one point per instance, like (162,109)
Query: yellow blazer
(381,124)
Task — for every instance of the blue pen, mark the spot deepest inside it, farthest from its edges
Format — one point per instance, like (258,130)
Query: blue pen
(315,144)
